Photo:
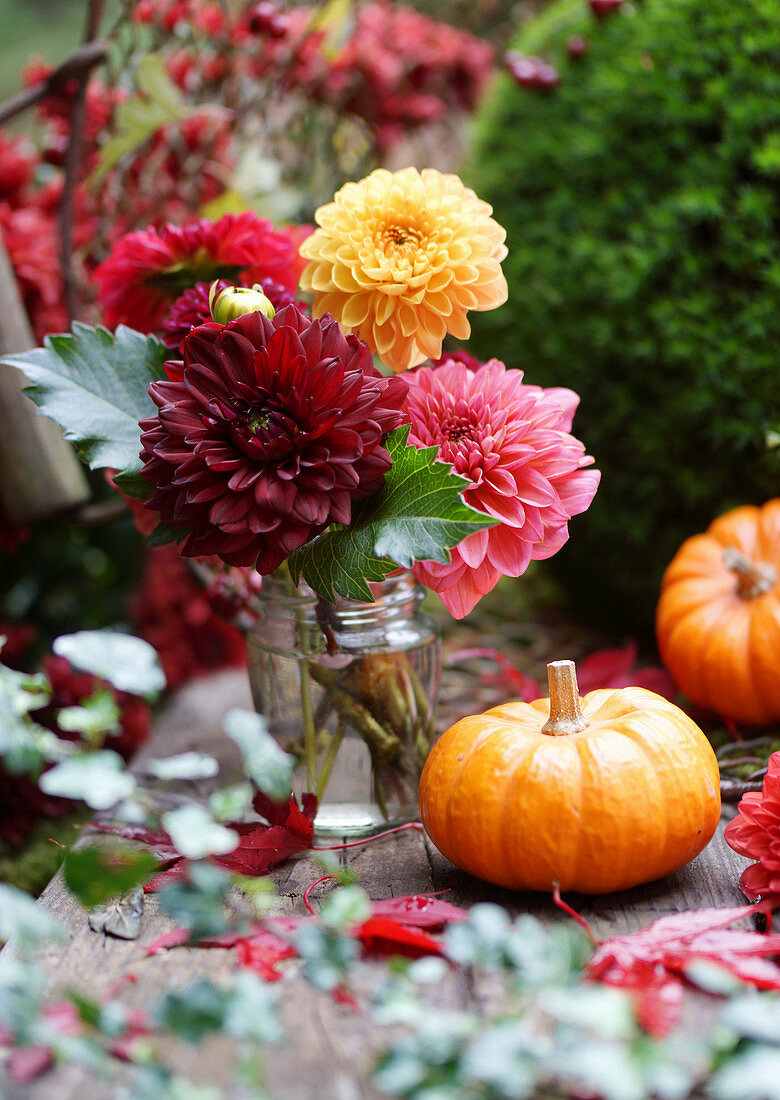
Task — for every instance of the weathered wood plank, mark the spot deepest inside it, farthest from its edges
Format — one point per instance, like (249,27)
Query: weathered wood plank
(39,472)
(330,1049)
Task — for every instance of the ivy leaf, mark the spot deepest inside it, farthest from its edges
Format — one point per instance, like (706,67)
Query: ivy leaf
(96,874)
(140,117)
(185,765)
(265,763)
(97,778)
(94,384)
(195,833)
(128,663)
(97,715)
(22,920)
(417,514)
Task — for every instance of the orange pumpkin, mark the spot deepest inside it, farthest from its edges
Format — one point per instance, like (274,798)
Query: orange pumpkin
(596,794)
(718,618)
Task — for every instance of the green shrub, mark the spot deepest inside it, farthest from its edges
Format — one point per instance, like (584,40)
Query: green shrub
(642,204)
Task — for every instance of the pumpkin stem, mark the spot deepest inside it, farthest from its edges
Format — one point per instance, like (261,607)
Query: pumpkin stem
(753,578)
(566,716)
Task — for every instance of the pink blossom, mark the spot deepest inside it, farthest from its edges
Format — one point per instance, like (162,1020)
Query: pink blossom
(512,442)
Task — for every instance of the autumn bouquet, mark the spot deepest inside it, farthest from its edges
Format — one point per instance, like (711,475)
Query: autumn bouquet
(279,401)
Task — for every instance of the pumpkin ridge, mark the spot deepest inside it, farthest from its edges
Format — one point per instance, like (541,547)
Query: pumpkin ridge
(481,741)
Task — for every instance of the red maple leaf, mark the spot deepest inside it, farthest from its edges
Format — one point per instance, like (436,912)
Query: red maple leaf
(655,962)
(419,911)
(261,846)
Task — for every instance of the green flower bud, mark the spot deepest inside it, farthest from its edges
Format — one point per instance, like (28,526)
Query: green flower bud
(235,301)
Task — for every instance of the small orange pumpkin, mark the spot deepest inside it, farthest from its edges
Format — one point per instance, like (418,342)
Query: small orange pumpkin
(596,794)
(718,618)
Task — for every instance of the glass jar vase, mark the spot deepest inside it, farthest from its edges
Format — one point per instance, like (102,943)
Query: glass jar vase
(349,689)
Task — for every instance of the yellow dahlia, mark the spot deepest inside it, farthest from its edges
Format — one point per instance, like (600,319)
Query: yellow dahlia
(400,257)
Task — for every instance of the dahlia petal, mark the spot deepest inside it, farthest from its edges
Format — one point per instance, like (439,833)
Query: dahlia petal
(473,548)
(507,551)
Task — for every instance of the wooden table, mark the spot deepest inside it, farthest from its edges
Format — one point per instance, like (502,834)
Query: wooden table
(333,1057)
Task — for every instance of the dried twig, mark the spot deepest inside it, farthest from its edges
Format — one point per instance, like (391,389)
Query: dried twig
(80,62)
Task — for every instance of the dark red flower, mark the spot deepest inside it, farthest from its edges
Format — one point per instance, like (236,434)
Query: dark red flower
(148,270)
(755,833)
(266,433)
(22,803)
(192,308)
(70,688)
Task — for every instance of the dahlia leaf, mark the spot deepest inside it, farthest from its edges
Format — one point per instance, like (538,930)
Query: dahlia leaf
(418,514)
(94,384)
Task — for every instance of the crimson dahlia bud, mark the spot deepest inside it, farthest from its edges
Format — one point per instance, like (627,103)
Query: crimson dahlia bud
(267,19)
(530,72)
(604,8)
(576,46)
(235,301)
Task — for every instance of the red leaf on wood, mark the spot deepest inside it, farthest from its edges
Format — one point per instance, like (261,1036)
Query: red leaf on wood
(177,937)
(419,911)
(384,936)
(260,848)
(262,952)
(158,840)
(655,960)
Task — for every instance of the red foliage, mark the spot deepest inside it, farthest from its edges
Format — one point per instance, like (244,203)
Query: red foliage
(261,847)
(654,962)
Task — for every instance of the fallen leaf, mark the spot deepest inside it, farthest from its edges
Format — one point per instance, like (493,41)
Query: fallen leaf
(261,846)
(419,911)
(262,951)
(655,961)
(385,936)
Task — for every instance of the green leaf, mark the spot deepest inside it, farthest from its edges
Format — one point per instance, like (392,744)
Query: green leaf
(417,514)
(97,778)
(94,385)
(140,117)
(128,663)
(185,765)
(96,874)
(22,920)
(196,834)
(252,1011)
(99,714)
(267,765)
(195,1012)
(199,902)
(231,803)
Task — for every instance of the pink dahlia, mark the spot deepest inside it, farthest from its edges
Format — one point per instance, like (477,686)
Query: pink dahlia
(266,433)
(512,442)
(192,308)
(148,270)
(755,833)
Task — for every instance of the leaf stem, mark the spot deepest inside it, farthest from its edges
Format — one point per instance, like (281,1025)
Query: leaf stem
(330,759)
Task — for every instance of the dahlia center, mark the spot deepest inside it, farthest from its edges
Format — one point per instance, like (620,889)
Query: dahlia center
(266,432)
(403,237)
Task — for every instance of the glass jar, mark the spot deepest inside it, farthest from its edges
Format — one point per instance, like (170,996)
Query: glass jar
(349,689)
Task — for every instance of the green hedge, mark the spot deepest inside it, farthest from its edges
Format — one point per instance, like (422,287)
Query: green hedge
(642,204)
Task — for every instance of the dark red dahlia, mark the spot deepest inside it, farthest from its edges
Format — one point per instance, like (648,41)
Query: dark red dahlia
(147,271)
(192,308)
(266,433)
